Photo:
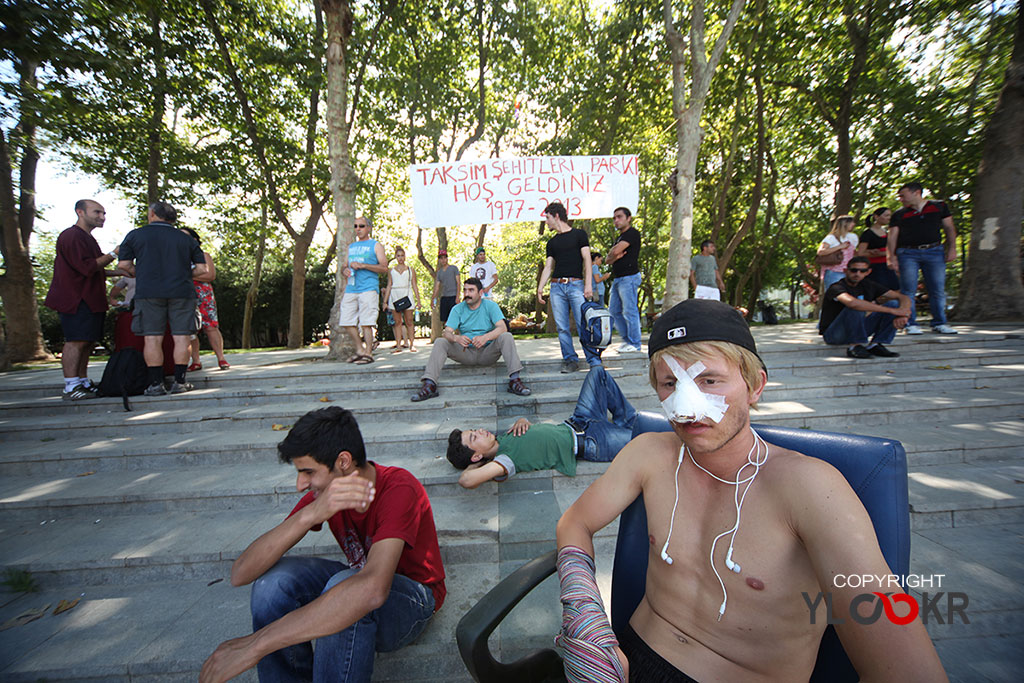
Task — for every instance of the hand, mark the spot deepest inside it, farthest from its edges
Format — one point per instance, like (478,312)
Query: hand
(117,250)
(900,321)
(433,303)
(350,492)
(463,341)
(231,658)
(540,296)
(479,342)
(893,263)
(588,293)
(519,428)
(355,265)
(347,272)
(951,254)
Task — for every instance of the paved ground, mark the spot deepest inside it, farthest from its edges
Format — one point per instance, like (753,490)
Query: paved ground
(140,514)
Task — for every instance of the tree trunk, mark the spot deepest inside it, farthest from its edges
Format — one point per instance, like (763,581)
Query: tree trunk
(156,121)
(686,112)
(298,295)
(991,288)
(338,18)
(257,274)
(23,333)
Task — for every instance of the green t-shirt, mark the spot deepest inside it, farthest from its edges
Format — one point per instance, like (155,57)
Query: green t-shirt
(474,323)
(704,268)
(542,447)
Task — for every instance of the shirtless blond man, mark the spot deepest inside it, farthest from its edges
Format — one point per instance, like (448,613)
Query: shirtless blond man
(728,606)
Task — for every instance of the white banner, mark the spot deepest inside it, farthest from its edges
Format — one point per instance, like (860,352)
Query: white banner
(510,190)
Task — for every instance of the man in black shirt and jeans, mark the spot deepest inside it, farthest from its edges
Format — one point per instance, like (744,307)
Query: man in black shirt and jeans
(856,309)
(163,260)
(624,260)
(568,267)
(915,243)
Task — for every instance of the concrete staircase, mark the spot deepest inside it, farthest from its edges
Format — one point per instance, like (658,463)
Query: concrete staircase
(140,514)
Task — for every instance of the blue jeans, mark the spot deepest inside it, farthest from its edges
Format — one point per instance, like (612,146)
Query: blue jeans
(624,309)
(932,264)
(348,654)
(830,277)
(599,396)
(856,327)
(567,298)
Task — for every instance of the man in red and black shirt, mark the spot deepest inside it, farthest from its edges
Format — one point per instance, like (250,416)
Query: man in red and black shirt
(915,243)
(378,600)
(78,293)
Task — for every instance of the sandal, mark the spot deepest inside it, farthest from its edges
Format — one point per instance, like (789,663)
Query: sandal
(363,360)
(353,359)
(195,366)
(398,349)
(224,365)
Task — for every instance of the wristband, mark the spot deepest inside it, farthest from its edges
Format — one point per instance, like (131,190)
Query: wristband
(112,255)
(586,636)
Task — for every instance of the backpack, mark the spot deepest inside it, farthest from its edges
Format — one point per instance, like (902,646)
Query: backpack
(125,375)
(596,332)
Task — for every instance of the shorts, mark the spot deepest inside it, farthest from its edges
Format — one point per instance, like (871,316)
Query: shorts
(645,664)
(82,325)
(359,309)
(152,316)
(705,292)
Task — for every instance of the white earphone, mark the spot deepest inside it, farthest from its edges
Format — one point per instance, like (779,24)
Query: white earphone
(757,462)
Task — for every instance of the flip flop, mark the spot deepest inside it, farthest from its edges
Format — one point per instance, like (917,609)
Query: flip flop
(354,358)
(363,360)
(398,349)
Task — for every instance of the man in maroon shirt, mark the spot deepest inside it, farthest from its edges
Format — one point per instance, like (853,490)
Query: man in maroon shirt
(78,293)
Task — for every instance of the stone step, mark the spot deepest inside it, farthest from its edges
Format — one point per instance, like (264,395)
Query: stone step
(96,534)
(165,630)
(303,369)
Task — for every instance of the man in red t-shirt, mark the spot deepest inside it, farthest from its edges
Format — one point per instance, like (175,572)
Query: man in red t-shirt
(379,600)
(79,294)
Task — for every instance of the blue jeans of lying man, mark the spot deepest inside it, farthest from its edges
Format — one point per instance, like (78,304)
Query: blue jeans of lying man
(600,395)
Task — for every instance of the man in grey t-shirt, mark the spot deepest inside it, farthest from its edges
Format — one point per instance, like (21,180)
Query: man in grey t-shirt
(704,276)
(446,283)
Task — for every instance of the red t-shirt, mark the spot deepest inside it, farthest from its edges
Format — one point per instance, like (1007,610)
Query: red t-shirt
(402,510)
(76,277)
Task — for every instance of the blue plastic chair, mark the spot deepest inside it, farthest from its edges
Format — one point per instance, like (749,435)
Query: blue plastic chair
(875,468)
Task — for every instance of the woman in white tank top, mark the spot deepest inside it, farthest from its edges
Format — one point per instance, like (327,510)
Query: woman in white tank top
(402,284)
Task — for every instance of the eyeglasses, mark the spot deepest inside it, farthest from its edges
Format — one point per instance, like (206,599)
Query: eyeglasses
(858,270)
(360,225)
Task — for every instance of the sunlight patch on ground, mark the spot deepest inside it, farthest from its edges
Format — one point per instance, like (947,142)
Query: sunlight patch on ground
(47,489)
(147,416)
(947,484)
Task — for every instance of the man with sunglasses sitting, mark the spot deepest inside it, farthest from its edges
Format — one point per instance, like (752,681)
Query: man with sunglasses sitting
(856,310)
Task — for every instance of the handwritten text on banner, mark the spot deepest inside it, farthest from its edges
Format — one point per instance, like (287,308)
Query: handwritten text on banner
(508,190)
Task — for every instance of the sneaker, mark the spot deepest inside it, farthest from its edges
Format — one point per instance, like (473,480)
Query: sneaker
(882,352)
(516,386)
(858,351)
(569,366)
(79,393)
(180,387)
(913,329)
(155,389)
(944,329)
(427,390)
(629,348)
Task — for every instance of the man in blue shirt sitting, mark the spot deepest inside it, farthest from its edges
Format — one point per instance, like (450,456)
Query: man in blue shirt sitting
(475,334)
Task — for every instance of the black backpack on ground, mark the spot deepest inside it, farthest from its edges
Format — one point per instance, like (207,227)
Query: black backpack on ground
(125,375)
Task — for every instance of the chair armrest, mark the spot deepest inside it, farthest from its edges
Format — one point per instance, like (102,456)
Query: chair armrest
(476,627)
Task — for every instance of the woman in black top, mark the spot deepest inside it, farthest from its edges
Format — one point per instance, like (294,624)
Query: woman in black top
(872,245)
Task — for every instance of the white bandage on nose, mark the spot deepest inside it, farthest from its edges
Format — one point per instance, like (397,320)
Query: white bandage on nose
(688,403)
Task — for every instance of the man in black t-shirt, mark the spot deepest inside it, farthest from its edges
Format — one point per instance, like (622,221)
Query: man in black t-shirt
(856,309)
(568,266)
(622,303)
(915,243)
(164,260)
